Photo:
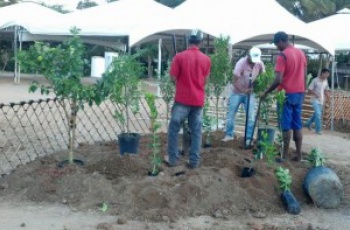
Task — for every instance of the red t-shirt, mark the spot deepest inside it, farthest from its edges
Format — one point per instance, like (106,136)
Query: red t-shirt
(190,68)
(292,64)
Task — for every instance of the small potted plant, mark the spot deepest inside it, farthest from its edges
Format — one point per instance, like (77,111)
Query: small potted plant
(121,83)
(288,199)
(154,144)
(321,183)
(280,98)
(267,148)
(250,171)
(265,111)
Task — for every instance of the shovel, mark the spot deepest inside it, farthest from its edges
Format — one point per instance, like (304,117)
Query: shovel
(247,118)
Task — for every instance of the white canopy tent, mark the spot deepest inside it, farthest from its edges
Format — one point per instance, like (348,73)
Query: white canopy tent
(136,18)
(334,29)
(248,22)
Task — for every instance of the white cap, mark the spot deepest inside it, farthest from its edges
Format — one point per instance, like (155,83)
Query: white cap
(255,54)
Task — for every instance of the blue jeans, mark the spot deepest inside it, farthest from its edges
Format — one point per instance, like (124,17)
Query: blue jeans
(316,117)
(178,114)
(233,104)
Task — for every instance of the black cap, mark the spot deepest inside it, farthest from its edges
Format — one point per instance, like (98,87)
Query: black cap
(280,36)
(195,36)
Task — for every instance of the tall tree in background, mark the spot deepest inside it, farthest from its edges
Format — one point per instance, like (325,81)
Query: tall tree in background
(311,10)
(170,3)
(58,8)
(86,4)
(7,2)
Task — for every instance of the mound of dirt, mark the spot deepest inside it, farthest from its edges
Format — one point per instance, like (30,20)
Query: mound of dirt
(215,189)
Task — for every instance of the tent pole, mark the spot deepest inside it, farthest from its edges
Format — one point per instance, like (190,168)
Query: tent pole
(159,65)
(15,54)
(20,49)
(332,94)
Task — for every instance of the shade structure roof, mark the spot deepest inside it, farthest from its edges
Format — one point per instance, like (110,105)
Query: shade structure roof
(334,29)
(247,22)
(35,18)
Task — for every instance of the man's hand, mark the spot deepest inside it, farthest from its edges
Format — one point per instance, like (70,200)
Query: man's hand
(263,96)
(248,91)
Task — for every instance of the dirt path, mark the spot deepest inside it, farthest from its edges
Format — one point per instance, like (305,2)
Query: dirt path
(32,216)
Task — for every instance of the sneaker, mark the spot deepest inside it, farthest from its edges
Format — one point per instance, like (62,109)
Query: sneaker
(227,138)
(167,162)
(191,165)
(308,126)
(319,133)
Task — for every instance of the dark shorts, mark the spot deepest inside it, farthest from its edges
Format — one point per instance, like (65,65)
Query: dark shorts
(291,114)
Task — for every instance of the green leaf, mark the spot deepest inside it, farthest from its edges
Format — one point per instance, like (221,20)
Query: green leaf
(104,207)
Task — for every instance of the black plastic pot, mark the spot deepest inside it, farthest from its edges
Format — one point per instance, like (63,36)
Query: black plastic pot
(63,163)
(128,143)
(247,172)
(290,203)
(323,186)
(152,174)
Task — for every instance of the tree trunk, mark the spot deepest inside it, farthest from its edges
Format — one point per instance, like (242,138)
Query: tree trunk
(149,67)
(72,131)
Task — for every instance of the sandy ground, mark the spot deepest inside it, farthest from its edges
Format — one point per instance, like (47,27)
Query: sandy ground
(18,214)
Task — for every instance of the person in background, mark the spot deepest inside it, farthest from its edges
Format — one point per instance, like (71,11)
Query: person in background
(290,75)
(319,90)
(247,69)
(189,70)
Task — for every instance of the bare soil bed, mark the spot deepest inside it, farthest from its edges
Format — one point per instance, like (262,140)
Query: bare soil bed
(215,189)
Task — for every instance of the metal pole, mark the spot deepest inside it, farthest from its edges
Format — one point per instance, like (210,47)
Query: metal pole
(159,65)
(20,49)
(332,94)
(15,53)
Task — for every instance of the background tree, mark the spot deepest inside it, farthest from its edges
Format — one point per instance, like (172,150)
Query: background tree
(7,2)
(86,4)
(311,10)
(170,3)
(59,8)
(221,70)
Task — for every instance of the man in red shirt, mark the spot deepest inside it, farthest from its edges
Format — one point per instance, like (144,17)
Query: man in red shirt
(290,74)
(189,70)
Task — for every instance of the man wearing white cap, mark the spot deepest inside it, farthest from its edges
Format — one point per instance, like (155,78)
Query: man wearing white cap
(245,72)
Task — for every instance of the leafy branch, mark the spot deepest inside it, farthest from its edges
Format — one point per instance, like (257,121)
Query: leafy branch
(284,178)
(316,157)
(155,126)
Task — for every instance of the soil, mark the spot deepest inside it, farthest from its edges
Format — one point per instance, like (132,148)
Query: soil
(41,196)
(215,190)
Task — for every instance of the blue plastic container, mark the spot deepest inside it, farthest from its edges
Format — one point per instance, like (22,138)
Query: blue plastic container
(323,186)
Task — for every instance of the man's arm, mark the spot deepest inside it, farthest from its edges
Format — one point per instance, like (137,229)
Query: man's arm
(276,82)
(173,79)
(327,94)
